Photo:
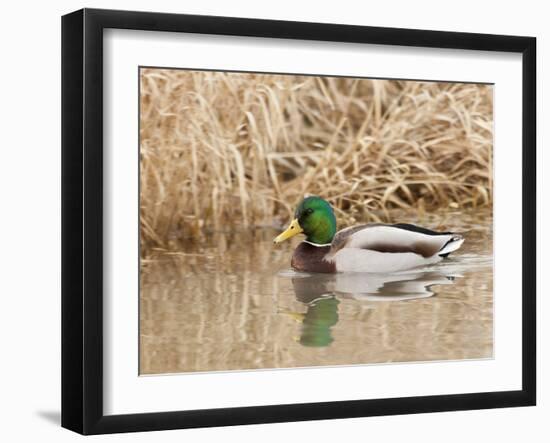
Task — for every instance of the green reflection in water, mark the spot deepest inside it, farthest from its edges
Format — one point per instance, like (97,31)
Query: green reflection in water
(321,315)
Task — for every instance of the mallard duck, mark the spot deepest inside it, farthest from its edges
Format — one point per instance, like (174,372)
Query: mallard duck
(376,248)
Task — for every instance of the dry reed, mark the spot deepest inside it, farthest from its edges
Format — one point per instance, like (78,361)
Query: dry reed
(220,150)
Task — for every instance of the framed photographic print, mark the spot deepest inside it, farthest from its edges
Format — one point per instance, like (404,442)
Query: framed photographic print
(269,221)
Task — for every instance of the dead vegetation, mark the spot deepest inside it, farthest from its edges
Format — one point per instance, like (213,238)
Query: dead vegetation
(220,150)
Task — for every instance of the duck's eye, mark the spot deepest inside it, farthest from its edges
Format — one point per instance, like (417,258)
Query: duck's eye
(309,211)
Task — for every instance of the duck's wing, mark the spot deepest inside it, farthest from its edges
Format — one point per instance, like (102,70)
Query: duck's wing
(398,238)
(406,245)
(389,248)
(342,237)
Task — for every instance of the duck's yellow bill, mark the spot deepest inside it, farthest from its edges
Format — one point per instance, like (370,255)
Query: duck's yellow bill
(291,231)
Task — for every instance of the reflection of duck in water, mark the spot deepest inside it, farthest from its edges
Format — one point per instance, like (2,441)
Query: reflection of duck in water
(319,292)
(371,287)
(363,248)
(320,317)
(321,314)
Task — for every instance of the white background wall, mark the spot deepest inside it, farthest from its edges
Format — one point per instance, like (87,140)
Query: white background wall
(30,218)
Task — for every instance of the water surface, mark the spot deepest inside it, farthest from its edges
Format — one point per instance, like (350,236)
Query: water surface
(231,302)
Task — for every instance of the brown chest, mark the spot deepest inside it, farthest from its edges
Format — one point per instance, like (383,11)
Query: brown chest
(309,258)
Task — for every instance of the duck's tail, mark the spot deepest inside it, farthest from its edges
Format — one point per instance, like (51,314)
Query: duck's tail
(452,245)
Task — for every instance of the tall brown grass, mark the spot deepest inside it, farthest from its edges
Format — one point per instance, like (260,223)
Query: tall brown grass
(226,149)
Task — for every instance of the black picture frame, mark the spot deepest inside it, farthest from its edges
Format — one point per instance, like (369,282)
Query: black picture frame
(82,218)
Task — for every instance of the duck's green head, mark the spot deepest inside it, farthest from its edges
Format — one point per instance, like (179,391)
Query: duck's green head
(315,219)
